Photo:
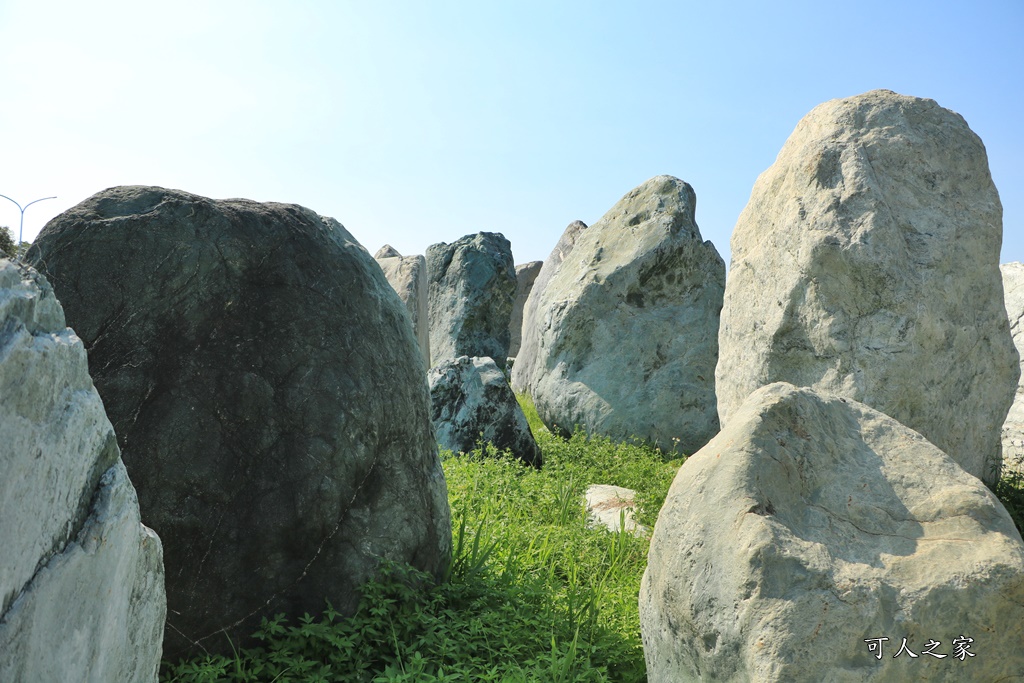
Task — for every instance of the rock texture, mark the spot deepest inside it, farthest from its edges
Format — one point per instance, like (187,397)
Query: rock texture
(612,507)
(387,251)
(866,264)
(472,286)
(526,275)
(1013,427)
(527,355)
(627,325)
(81,579)
(471,401)
(813,523)
(408,277)
(267,393)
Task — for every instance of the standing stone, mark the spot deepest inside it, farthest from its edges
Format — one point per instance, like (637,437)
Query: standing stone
(472,402)
(267,393)
(526,274)
(1013,427)
(866,265)
(81,579)
(472,286)
(526,357)
(408,277)
(813,523)
(628,325)
(387,251)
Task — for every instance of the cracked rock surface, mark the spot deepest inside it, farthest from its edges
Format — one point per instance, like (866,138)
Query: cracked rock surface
(471,402)
(812,523)
(621,333)
(81,579)
(268,397)
(471,292)
(866,264)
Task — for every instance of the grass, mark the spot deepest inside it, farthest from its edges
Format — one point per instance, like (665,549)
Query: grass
(531,594)
(1010,491)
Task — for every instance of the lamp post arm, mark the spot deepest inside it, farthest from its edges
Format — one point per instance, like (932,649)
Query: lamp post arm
(21,224)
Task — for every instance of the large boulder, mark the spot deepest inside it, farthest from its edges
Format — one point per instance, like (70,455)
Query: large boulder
(408,277)
(472,286)
(1013,427)
(866,264)
(268,396)
(627,326)
(526,275)
(81,579)
(811,527)
(472,401)
(527,354)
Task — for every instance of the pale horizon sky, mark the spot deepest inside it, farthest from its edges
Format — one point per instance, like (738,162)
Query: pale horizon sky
(414,123)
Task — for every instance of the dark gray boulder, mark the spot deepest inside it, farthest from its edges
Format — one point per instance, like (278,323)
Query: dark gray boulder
(472,286)
(472,401)
(265,386)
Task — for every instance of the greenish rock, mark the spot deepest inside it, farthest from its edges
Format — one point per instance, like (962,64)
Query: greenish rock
(624,334)
(472,287)
(527,355)
(268,397)
(472,403)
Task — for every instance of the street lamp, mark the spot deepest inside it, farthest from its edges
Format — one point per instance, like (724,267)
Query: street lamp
(21,225)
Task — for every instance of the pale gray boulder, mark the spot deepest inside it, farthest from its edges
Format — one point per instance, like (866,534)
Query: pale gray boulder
(471,402)
(387,251)
(1013,426)
(526,356)
(612,508)
(526,275)
(866,264)
(627,325)
(472,286)
(268,397)
(408,277)
(81,579)
(812,524)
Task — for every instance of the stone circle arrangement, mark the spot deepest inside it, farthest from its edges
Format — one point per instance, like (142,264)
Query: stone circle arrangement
(213,411)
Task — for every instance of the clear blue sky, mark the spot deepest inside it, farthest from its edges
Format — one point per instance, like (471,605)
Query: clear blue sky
(420,122)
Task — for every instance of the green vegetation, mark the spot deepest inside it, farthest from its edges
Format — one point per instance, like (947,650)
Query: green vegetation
(1010,490)
(531,593)
(8,247)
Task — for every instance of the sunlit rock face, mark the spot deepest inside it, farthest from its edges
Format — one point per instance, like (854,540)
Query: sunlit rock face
(813,525)
(866,264)
(622,338)
(81,579)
